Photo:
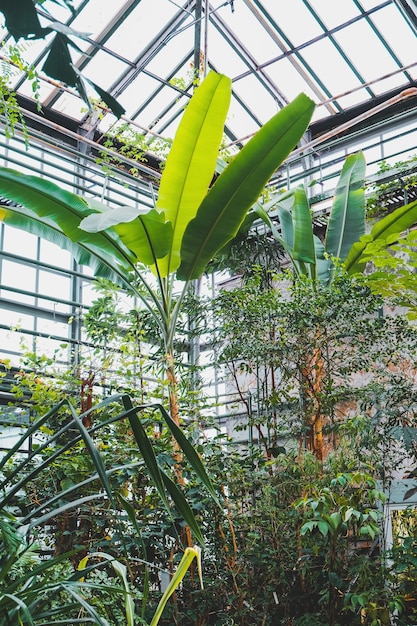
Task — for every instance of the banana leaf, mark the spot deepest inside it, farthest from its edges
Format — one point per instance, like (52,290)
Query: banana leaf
(304,249)
(395,223)
(191,161)
(147,235)
(347,217)
(45,209)
(239,185)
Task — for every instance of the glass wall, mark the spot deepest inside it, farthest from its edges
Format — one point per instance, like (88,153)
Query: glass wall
(44,293)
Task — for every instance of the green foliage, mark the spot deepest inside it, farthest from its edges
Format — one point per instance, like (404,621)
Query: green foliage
(13,64)
(22,21)
(394,261)
(133,144)
(390,180)
(337,517)
(64,494)
(190,223)
(264,334)
(403,563)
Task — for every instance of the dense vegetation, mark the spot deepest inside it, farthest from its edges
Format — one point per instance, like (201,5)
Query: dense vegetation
(297,540)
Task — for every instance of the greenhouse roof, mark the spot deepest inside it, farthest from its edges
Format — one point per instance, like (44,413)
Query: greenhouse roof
(348,56)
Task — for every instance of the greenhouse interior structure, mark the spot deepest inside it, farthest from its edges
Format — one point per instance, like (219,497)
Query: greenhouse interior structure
(208,294)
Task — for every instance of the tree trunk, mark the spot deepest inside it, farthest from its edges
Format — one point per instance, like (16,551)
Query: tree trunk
(313,375)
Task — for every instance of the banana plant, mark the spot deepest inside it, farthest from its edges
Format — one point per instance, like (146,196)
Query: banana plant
(309,255)
(191,221)
(345,241)
(345,238)
(385,230)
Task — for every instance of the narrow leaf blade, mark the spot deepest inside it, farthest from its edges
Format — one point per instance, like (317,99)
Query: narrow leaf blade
(347,218)
(396,222)
(192,159)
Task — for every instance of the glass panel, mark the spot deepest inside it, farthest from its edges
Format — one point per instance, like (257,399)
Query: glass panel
(395,30)
(333,14)
(335,73)
(377,61)
(57,286)
(18,242)
(54,255)
(19,276)
(298,24)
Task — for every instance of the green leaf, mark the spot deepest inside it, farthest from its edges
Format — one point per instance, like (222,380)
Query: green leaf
(108,99)
(239,185)
(21,19)
(22,606)
(323,264)
(161,481)
(190,454)
(304,249)
(284,210)
(58,64)
(347,218)
(335,580)
(396,222)
(148,236)
(192,159)
(189,555)
(146,449)
(183,507)
(47,210)
(107,217)
(308,527)
(121,571)
(94,454)
(64,29)
(98,619)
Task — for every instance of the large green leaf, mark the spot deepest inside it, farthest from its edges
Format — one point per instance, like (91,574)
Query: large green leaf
(147,235)
(239,185)
(146,449)
(189,554)
(304,249)
(347,218)
(47,210)
(284,210)
(396,222)
(161,481)
(183,508)
(192,159)
(58,63)
(22,19)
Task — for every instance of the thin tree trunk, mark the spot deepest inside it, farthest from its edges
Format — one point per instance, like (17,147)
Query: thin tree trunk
(313,377)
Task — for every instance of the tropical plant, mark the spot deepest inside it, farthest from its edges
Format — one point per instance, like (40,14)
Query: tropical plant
(189,225)
(11,64)
(37,582)
(391,184)
(338,516)
(309,255)
(345,238)
(261,341)
(345,242)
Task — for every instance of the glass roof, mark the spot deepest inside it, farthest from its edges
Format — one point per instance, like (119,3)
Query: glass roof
(345,55)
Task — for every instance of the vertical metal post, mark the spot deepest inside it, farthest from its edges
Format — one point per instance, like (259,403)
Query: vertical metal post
(197,38)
